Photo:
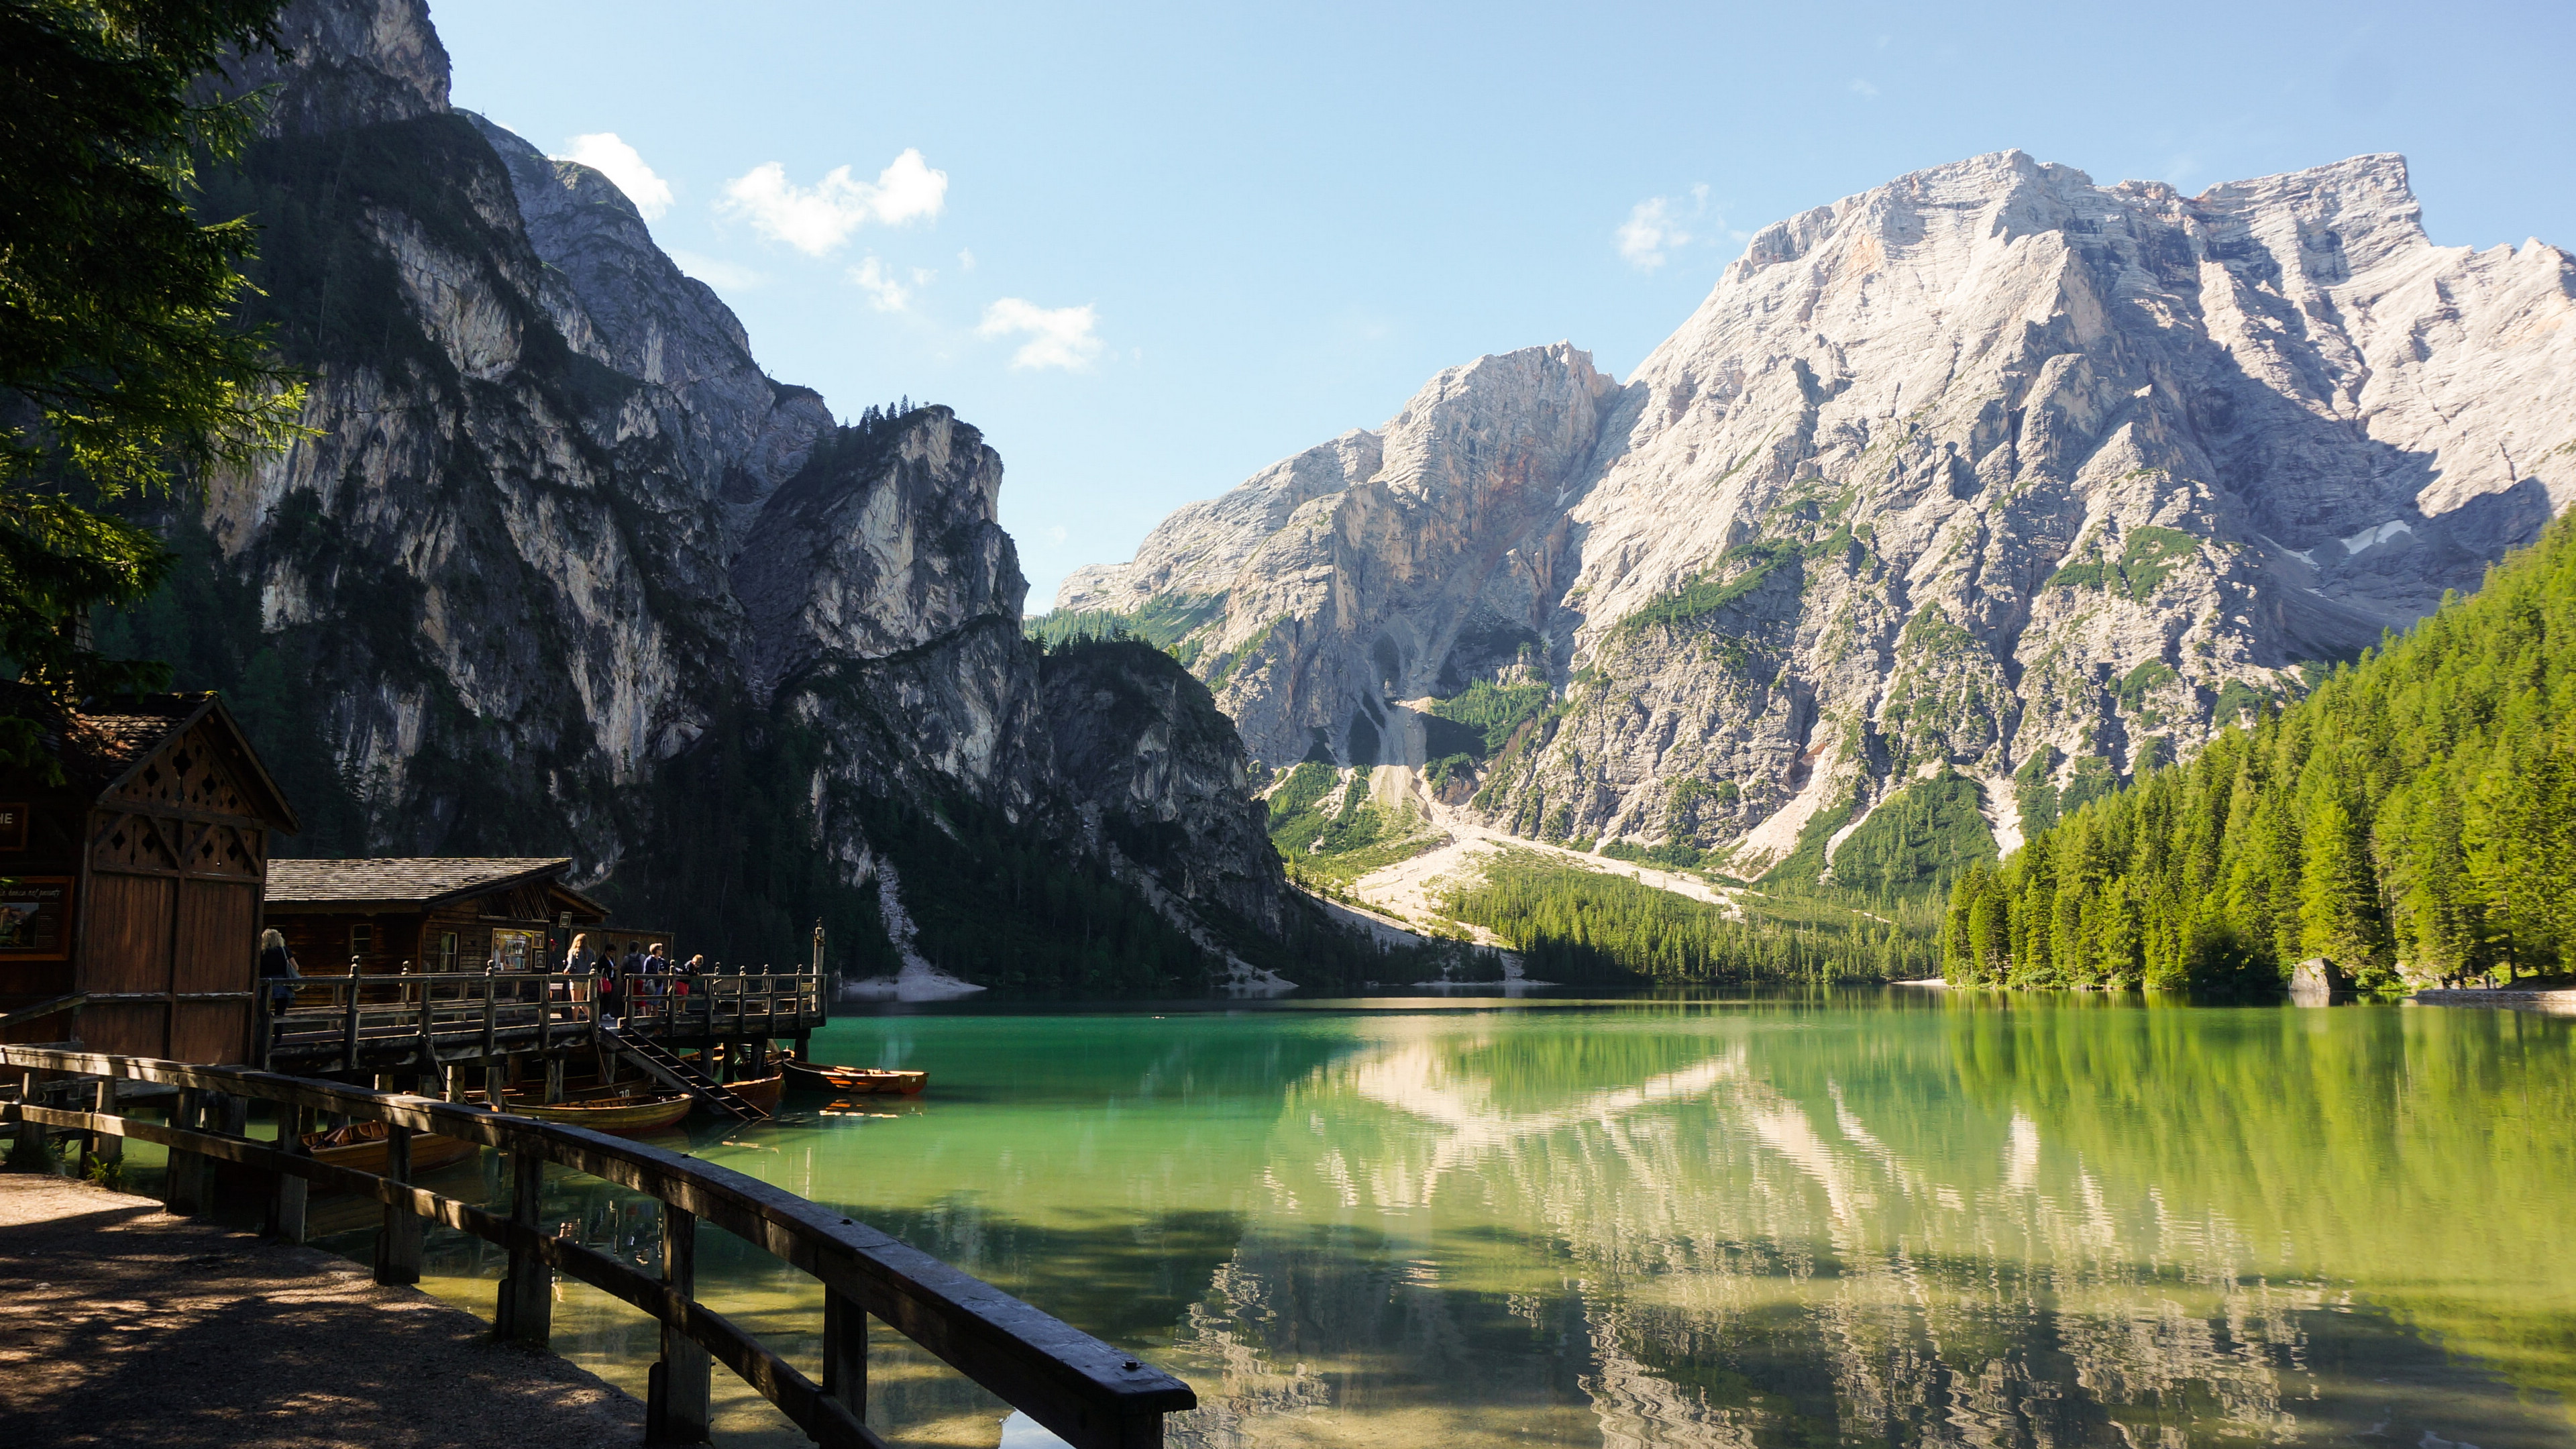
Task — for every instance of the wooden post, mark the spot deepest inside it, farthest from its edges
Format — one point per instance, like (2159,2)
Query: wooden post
(677,1412)
(349,1023)
(31,1133)
(263,1018)
(527,1294)
(496,1084)
(109,1147)
(185,1181)
(845,1353)
(287,1199)
(554,1080)
(491,995)
(398,1246)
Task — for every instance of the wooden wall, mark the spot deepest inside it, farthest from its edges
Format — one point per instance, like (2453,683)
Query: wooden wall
(169,909)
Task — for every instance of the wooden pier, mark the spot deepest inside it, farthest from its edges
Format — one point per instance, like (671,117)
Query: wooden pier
(1087,1392)
(426,1023)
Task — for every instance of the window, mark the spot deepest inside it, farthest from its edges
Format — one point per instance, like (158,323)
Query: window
(514,949)
(447,952)
(362,942)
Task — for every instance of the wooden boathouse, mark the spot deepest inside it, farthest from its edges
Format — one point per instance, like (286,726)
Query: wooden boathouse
(430,913)
(135,853)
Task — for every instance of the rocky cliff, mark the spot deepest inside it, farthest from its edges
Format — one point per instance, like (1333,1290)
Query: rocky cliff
(1989,471)
(562,570)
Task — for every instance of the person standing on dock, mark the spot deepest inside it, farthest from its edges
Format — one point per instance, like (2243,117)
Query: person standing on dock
(277,968)
(612,986)
(657,975)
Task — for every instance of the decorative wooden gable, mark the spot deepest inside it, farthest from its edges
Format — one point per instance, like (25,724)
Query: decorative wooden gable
(184,809)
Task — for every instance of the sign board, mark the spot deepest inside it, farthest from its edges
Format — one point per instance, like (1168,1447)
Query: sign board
(35,917)
(13,825)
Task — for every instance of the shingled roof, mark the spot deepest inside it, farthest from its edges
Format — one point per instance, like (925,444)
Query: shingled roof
(97,748)
(407,881)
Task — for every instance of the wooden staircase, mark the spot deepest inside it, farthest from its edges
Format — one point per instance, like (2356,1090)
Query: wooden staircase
(672,1072)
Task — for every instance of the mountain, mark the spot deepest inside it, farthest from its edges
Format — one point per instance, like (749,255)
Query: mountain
(561,570)
(1988,473)
(2410,821)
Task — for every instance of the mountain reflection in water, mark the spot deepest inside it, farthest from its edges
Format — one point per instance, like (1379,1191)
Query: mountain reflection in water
(1785,1222)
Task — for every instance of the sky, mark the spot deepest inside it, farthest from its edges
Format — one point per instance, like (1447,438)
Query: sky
(1148,250)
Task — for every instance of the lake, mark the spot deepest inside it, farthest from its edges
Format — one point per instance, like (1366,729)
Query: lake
(1852,1218)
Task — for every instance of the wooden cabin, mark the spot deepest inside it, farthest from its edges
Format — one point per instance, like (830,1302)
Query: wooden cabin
(131,867)
(429,913)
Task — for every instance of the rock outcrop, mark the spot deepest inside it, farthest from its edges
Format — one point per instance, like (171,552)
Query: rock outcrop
(1989,468)
(562,570)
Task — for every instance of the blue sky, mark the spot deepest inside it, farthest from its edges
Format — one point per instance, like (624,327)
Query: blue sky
(1149,250)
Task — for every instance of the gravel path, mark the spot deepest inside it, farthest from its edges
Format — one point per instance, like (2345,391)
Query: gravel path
(122,1325)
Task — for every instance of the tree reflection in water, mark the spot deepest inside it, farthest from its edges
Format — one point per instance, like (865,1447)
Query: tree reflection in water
(2034,1222)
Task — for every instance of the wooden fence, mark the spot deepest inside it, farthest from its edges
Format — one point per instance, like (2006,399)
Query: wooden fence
(1087,1392)
(419,1020)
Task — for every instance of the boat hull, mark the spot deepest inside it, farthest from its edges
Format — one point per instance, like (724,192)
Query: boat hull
(619,1116)
(854,1081)
(367,1152)
(761,1092)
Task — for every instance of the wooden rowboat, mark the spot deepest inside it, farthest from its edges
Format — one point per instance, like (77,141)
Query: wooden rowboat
(853,1081)
(623,1115)
(361,1146)
(761,1092)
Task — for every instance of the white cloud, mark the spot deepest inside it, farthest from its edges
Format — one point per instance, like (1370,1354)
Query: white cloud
(722,275)
(965,261)
(1863,88)
(1057,535)
(614,159)
(1058,337)
(885,293)
(1657,227)
(816,220)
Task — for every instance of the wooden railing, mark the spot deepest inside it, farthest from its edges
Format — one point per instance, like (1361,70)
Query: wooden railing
(348,1023)
(1087,1392)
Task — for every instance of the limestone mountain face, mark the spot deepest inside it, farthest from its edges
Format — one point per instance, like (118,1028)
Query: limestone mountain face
(562,570)
(1989,469)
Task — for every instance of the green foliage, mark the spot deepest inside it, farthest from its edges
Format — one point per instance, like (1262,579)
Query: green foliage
(122,370)
(1336,840)
(115,301)
(1662,857)
(2417,809)
(1001,906)
(2138,683)
(1165,621)
(2238,699)
(2147,558)
(1581,926)
(1485,714)
(1706,595)
(1440,771)
(1805,862)
(1914,845)
(2035,790)
(2089,780)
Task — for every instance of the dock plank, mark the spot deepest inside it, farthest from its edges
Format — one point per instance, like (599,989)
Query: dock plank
(122,1324)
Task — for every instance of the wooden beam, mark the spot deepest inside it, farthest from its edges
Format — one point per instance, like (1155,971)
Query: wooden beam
(398,1244)
(678,1412)
(527,1294)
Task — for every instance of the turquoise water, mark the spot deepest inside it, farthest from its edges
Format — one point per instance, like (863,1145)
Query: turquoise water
(1882,1217)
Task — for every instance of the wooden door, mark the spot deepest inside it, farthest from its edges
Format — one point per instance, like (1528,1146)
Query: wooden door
(127,955)
(215,954)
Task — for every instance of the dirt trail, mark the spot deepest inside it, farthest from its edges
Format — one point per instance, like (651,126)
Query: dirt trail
(1410,889)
